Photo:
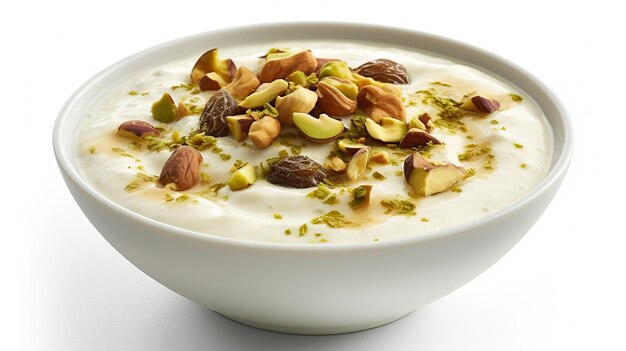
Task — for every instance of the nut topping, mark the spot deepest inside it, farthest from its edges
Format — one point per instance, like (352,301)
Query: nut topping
(481,105)
(210,62)
(358,164)
(263,132)
(301,100)
(182,169)
(137,129)
(426,178)
(384,70)
(244,84)
(280,68)
(417,138)
(333,102)
(377,103)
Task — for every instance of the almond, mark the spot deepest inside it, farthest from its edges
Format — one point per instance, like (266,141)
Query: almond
(182,169)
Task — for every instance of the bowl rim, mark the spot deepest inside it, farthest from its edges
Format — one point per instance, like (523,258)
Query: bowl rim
(558,167)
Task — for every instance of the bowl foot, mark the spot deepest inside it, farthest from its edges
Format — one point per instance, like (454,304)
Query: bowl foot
(303,330)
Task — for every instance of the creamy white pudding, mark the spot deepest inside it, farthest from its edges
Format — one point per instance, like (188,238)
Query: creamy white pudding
(507,152)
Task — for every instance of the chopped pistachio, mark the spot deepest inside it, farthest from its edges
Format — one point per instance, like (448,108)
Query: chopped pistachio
(147,178)
(378,176)
(456,189)
(321,192)
(278,216)
(225,157)
(303,230)
(357,127)
(283,154)
(399,206)
(132,186)
(424,219)
(296,150)
(359,196)
(287,231)
(238,164)
(121,152)
(399,173)
(441,84)
(331,200)
(168,197)
(494,121)
(175,136)
(323,240)
(523,165)
(92,150)
(516,97)
(132,92)
(334,219)
(518,146)
(205,178)
(182,198)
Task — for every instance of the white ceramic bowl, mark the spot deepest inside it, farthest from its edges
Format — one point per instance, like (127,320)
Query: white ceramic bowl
(312,289)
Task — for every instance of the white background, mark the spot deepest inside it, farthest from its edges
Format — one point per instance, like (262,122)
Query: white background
(64,287)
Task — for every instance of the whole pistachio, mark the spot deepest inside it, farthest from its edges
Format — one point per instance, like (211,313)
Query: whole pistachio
(337,69)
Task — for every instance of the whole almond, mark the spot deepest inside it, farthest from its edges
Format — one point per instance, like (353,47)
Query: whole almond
(182,169)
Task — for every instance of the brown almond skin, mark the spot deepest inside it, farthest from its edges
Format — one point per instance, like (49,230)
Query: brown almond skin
(332,101)
(417,138)
(425,118)
(279,69)
(182,168)
(137,129)
(377,103)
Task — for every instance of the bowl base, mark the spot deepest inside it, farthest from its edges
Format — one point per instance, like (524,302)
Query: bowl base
(287,329)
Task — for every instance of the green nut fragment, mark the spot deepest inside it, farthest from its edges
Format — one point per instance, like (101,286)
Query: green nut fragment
(337,69)
(299,78)
(346,87)
(242,178)
(265,94)
(165,109)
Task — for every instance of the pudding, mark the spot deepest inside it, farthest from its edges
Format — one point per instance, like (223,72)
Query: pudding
(365,144)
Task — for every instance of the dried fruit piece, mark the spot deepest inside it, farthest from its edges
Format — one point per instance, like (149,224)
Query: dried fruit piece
(336,164)
(358,164)
(213,117)
(242,178)
(337,69)
(417,138)
(244,84)
(280,68)
(301,100)
(266,93)
(264,131)
(319,130)
(426,178)
(384,70)
(390,130)
(239,126)
(481,105)
(211,81)
(349,148)
(210,62)
(377,103)
(182,168)
(164,110)
(296,172)
(333,102)
(137,129)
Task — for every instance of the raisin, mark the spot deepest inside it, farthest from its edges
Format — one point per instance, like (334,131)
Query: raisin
(384,70)
(213,117)
(296,172)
